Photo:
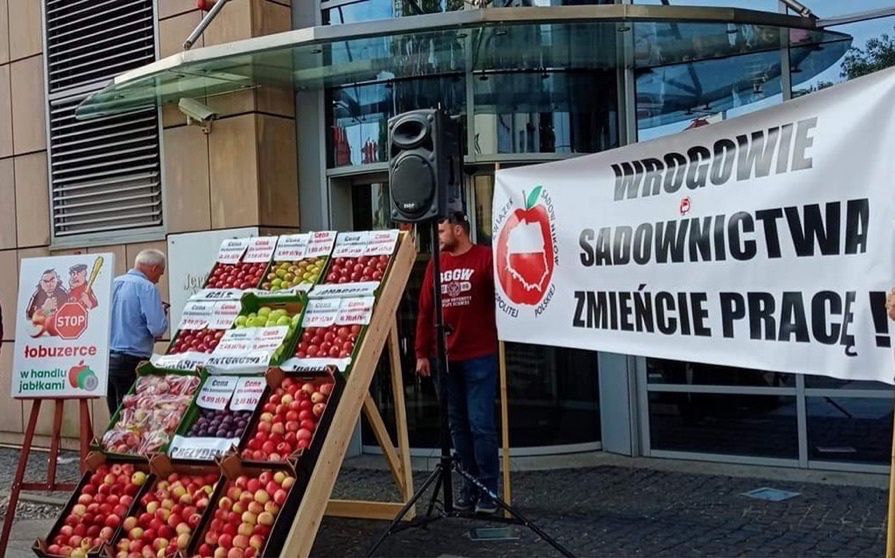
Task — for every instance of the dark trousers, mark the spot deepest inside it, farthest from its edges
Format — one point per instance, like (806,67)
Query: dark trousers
(472,390)
(122,374)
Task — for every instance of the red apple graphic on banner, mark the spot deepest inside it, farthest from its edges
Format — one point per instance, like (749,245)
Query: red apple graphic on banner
(525,252)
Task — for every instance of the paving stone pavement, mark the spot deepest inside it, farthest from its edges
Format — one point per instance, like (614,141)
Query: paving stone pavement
(620,511)
(608,510)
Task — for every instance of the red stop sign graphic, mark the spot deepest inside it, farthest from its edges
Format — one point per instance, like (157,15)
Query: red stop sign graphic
(71,320)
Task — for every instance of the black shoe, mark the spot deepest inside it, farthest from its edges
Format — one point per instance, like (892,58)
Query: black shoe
(486,506)
(464,503)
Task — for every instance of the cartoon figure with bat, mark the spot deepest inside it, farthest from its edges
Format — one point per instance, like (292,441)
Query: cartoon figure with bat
(80,289)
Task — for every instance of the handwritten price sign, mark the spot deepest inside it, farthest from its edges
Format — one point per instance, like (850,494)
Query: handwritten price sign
(216,393)
(248,394)
(232,250)
(260,249)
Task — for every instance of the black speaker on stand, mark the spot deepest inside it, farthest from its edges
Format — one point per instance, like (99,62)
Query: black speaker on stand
(426,185)
(424,169)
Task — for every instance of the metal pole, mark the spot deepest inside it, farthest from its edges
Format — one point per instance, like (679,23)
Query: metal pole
(209,17)
(890,532)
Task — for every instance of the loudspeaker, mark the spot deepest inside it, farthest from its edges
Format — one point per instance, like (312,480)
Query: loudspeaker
(424,166)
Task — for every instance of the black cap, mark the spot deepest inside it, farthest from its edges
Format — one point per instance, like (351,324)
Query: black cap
(77,268)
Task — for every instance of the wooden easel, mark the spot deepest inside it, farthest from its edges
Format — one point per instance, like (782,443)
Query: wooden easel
(19,484)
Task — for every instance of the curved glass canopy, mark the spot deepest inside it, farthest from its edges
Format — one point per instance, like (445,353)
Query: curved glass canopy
(662,43)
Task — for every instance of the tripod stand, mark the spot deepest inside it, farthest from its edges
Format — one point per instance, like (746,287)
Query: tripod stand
(441,476)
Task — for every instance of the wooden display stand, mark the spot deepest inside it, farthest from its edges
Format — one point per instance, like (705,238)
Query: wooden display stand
(19,484)
(356,399)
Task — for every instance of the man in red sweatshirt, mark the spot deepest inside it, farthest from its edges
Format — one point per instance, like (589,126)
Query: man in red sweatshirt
(467,287)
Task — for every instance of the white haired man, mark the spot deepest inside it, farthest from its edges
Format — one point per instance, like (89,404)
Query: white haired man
(139,317)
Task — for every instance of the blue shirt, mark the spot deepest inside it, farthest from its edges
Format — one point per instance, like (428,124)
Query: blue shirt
(138,317)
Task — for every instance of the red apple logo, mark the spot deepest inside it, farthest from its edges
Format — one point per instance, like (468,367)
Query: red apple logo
(525,252)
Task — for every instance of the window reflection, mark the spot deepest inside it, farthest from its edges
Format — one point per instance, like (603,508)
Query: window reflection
(662,371)
(387,9)
(359,114)
(754,425)
(545,112)
(808,76)
(849,429)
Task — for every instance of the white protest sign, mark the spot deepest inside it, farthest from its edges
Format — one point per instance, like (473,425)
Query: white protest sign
(764,241)
(62,326)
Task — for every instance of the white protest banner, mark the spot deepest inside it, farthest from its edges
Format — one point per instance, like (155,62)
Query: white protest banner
(766,241)
(62,326)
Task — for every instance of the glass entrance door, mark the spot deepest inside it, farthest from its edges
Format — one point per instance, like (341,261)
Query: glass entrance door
(553,392)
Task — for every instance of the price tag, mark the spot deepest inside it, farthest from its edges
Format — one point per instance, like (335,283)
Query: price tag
(195,315)
(351,245)
(344,290)
(200,449)
(356,310)
(235,342)
(321,244)
(321,312)
(223,314)
(248,394)
(231,250)
(382,243)
(217,294)
(216,393)
(181,361)
(261,249)
(269,338)
(291,247)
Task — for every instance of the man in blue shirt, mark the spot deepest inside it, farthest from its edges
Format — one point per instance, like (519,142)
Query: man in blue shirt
(139,317)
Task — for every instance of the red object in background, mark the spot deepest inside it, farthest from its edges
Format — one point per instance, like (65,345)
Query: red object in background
(204,5)
(70,320)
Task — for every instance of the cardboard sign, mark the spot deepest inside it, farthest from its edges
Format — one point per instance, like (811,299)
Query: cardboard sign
(196,315)
(247,394)
(224,314)
(321,312)
(321,244)
(189,360)
(351,244)
(261,249)
(344,290)
(216,393)
(62,326)
(356,311)
(218,294)
(231,250)
(382,243)
(200,449)
(291,247)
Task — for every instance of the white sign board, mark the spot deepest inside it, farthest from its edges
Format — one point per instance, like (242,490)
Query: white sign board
(62,326)
(190,259)
(764,241)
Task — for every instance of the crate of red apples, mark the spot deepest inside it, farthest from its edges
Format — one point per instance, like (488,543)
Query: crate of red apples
(251,511)
(360,257)
(294,416)
(94,512)
(151,411)
(241,263)
(169,513)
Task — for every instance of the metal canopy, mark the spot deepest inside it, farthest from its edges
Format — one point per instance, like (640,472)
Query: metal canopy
(533,39)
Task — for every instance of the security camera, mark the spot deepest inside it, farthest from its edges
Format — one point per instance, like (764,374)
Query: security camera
(195,111)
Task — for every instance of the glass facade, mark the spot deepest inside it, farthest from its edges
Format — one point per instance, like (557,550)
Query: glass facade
(533,94)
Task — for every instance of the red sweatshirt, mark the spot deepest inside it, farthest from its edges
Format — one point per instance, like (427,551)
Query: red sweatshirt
(467,291)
